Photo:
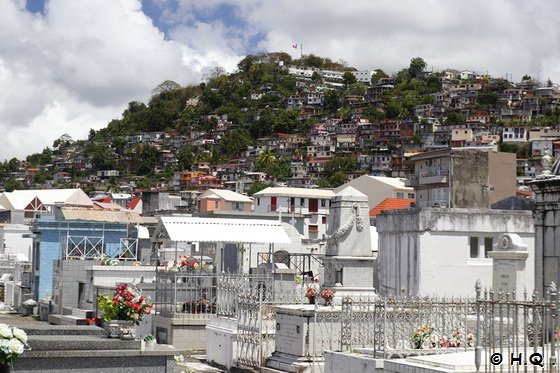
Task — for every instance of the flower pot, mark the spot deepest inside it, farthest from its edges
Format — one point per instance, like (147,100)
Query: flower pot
(328,301)
(149,344)
(311,300)
(115,327)
(4,368)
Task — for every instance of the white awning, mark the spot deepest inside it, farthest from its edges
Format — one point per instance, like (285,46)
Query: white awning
(189,229)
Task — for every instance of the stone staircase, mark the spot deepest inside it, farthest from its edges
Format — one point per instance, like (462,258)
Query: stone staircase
(71,316)
(75,337)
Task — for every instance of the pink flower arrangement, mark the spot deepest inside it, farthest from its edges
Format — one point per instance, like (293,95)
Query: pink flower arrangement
(126,304)
(310,293)
(327,294)
(186,263)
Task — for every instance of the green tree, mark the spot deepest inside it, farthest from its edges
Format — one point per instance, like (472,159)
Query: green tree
(185,157)
(166,86)
(316,77)
(13,165)
(378,74)
(146,158)
(455,118)
(345,164)
(416,67)
(266,160)
(348,78)
(488,98)
(234,142)
(332,102)
(12,184)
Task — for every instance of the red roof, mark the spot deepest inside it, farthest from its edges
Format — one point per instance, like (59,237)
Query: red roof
(391,204)
(524,193)
(104,199)
(133,202)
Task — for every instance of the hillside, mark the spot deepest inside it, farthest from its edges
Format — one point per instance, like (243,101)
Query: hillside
(304,122)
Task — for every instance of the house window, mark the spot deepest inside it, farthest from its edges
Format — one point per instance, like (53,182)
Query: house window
(216,204)
(411,195)
(258,201)
(313,228)
(487,245)
(323,203)
(324,220)
(400,195)
(302,202)
(473,243)
(313,205)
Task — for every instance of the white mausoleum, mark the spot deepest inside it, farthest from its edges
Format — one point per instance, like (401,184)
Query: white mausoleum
(440,251)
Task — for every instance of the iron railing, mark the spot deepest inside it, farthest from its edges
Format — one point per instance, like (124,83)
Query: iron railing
(396,327)
(185,295)
(516,331)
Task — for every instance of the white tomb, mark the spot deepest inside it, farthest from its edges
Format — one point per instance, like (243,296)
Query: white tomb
(349,260)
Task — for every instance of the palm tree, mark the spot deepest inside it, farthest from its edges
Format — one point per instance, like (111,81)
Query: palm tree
(266,159)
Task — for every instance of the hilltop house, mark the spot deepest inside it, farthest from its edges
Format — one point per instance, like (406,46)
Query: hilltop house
(462,177)
(312,204)
(214,200)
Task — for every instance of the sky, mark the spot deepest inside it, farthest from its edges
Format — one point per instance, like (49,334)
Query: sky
(67,66)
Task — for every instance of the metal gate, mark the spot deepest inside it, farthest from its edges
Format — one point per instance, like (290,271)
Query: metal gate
(249,351)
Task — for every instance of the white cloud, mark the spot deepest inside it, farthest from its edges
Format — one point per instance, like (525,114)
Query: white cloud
(77,65)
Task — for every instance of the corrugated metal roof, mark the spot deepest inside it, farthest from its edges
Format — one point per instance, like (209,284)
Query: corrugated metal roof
(190,229)
(101,215)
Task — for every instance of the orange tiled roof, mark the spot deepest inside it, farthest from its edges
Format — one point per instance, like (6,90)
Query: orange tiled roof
(391,204)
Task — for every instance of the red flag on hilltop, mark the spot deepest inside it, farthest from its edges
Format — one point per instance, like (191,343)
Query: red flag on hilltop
(294,45)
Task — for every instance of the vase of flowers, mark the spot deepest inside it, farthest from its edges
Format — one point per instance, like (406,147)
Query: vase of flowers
(310,294)
(149,341)
(187,264)
(13,341)
(123,310)
(422,336)
(327,294)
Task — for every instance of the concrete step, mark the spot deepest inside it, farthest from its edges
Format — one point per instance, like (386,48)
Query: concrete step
(84,314)
(80,342)
(67,320)
(67,310)
(59,330)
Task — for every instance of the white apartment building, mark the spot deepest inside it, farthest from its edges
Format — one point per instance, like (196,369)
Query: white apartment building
(312,204)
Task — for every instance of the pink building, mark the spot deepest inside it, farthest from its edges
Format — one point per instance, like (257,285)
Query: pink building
(223,200)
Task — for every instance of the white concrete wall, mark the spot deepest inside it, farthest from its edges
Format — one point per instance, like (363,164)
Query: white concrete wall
(221,342)
(427,252)
(109,276)
(447,269)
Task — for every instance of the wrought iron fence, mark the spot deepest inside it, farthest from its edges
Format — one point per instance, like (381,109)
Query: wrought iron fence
(251,299)
(396,326)
(183,294)
(517,334)
(232,285)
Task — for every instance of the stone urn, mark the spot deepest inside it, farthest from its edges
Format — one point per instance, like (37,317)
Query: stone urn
(119,328)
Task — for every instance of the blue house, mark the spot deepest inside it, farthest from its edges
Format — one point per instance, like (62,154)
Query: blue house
(71,240)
